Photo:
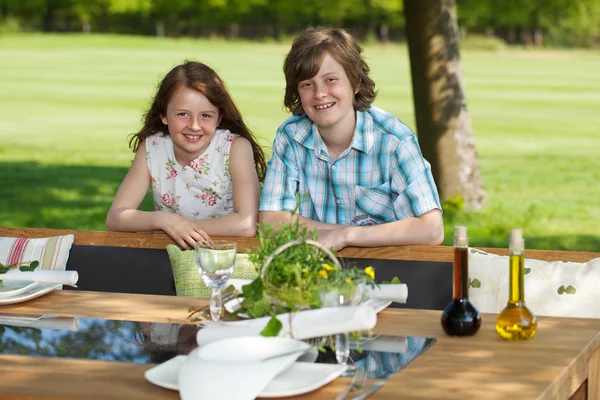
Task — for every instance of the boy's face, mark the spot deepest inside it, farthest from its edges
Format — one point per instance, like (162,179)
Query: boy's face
(327,97)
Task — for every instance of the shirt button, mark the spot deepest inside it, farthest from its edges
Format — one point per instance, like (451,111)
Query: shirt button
(338,202)
(333,167)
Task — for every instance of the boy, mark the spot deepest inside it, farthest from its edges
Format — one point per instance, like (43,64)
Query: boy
(358,169)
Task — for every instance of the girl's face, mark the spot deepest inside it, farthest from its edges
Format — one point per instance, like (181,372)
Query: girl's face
(327,97)
(192,121)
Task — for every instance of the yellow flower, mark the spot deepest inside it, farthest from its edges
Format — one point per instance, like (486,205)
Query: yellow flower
(328,267)
(348,280)
(370,272)
(323,273)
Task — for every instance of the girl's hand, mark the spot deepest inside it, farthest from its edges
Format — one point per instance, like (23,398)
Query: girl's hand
(182,230)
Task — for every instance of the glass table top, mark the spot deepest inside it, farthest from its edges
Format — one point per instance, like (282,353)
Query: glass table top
(146,343)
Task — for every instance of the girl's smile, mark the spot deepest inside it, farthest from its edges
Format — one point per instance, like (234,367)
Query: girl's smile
(192,120)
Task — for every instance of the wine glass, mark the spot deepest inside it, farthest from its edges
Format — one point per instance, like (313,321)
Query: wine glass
(347,295)
(215,264)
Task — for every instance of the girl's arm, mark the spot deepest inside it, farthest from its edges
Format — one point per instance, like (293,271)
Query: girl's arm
(124,215)
(242,221)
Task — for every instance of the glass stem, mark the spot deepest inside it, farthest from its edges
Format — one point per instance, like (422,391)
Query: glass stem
(342,348)
(216,304)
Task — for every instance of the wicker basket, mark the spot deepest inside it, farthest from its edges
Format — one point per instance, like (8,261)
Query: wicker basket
(280,250)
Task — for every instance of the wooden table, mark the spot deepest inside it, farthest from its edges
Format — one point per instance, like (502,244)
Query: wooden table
(554,365)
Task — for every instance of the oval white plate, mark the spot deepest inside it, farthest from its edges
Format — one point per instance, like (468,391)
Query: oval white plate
(40,289)
(300,378)
(13,288)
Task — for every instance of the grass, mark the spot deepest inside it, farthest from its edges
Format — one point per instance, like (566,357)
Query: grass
(68,102)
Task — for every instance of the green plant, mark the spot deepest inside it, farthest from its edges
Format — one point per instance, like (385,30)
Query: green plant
(293,270)
(25,266)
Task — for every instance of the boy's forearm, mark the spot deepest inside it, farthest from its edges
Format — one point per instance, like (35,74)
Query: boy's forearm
(424,230)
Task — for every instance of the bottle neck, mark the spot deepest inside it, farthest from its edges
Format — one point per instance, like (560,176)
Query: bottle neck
(516,290)
(461,273)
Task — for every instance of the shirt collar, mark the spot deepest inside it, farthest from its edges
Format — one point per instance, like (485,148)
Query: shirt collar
(364,132)
(307,134)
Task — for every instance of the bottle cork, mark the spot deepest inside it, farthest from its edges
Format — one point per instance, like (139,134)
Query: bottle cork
(460,232)
(460,236)
(516,239)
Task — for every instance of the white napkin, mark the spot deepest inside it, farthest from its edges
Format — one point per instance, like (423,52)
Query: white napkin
(61,323)
(393,292)
(229,378)
(305,324)
(63,277)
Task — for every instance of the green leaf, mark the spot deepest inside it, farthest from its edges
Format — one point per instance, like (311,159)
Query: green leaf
(253,291)
(273,327)
(259,308)
(395,280)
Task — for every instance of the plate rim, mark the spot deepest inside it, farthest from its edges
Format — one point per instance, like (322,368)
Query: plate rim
(15,292)
(41,289)
(336,371)
(151,376)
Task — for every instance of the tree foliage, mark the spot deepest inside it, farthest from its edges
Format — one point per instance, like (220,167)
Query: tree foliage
(563,22)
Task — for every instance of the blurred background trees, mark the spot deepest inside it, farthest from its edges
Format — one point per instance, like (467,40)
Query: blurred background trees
(528,22)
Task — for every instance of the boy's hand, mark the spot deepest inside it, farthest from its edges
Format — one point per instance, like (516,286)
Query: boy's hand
(335,238)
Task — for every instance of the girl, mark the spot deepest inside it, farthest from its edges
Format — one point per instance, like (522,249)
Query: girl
(201,159)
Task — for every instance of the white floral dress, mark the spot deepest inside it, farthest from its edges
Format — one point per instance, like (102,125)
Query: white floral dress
(200,190)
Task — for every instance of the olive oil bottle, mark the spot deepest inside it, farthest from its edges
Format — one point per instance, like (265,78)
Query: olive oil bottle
(461,318)
(516,322)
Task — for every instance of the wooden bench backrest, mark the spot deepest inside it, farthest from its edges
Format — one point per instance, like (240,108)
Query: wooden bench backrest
(159,240)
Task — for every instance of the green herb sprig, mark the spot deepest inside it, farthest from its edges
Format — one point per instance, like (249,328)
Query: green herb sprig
(25,266)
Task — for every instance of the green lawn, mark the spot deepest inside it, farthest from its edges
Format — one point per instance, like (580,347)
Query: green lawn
(68,102)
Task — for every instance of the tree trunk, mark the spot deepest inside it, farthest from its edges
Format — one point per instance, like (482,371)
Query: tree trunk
(443,123)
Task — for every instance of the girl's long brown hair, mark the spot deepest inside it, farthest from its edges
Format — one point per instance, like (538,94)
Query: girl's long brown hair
(205,80)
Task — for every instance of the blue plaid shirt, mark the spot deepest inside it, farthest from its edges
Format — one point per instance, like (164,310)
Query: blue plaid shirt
(382,177)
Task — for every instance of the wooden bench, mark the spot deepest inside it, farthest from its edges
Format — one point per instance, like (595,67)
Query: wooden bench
(138,263)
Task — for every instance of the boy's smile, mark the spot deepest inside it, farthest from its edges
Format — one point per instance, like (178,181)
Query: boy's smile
(327,98)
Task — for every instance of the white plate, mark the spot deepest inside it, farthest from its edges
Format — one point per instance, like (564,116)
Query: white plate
(40,289)
(300,378)
(13,288)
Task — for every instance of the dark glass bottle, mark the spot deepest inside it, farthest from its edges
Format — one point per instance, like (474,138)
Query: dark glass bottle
(516,322)
(461,318)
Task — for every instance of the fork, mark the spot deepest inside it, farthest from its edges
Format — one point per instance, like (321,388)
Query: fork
(369,390)
(358,381)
